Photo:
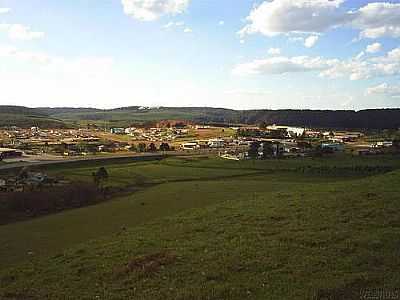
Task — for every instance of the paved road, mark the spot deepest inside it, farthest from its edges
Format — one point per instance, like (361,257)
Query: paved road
(49,161)
(30,162)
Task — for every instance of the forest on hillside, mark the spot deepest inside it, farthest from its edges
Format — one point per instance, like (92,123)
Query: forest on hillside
(345,119)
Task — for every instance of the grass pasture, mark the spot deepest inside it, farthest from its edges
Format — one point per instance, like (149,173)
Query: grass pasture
(215,229)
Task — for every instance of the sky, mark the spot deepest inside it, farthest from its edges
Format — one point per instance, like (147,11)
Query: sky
(242,54)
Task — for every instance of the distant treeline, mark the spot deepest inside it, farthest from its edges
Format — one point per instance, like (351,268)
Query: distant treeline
(345,119)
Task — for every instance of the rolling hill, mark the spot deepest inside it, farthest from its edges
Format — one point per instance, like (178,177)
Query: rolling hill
(27,117)
(369,119)
(126,116)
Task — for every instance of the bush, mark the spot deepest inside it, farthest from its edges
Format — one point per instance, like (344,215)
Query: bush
(49,200)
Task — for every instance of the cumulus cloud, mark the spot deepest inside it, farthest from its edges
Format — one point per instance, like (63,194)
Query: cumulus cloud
(187,30)
(377,20)
(311,41)
(21,32)
(274,51)
(221,23)
(4,10)
(276,17)
(150,10)
(282,65)
(356,68)
(374,48)
(384,89)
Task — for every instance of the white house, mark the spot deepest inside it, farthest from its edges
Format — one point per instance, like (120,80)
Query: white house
(216,143)
(190,146)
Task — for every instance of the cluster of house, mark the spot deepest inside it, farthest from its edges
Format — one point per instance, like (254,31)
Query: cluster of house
(210,143)
(37,141)
(155,134)
(26,181)
(71,142)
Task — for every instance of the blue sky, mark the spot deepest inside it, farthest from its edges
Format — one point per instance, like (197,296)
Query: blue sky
(308,54)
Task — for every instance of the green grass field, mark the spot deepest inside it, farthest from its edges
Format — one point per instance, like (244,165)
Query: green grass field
(215,229)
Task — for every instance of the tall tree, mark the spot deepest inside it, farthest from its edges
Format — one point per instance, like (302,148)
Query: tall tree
(253,150)
(164,147)
(100,177)
(152,147)
(268,150)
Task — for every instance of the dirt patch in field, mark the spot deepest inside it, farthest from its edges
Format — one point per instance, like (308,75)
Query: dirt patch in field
(147,265)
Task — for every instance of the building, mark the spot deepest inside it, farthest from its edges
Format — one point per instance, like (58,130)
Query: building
(336,147)
(190,146)
(9,153)
(130,130)
(117,130)
(216,143)
(384,144)
(290,131)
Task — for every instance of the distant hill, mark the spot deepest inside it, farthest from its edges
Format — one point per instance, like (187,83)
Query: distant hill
(369,119)
(126,116)
(26,117)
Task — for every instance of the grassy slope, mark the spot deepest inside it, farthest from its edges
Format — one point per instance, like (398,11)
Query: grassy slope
(26,117)
(127,118)
(259,237)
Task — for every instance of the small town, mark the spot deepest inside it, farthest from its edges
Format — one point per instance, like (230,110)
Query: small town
(19,145)
(200,150)
(36,143)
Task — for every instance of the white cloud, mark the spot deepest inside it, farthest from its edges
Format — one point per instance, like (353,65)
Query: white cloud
(221,23)
(173,24)
(311,41)
(296,39)
(282,65)
(4,10)
(150,10)
(21,32)
(378,20)
(374,48)
(384,89)
(355,68)
(187,30)
(360,55)
(169,25)
(274,51)
(276,17)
